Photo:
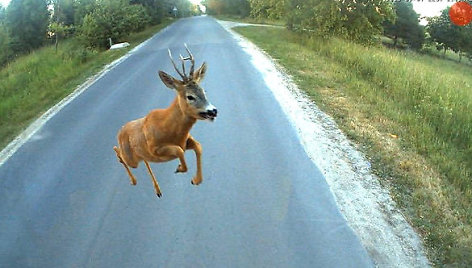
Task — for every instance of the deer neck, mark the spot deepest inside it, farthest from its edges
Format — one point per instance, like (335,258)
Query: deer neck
(180,121)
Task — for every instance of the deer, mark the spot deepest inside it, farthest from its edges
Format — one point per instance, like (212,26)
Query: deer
(164,134)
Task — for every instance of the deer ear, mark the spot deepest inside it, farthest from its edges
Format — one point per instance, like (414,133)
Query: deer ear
(199,74)
(169,81)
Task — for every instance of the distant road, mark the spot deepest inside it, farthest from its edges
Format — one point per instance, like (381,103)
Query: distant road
(65,201)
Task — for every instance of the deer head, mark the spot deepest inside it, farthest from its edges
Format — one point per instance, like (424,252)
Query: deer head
(191,96)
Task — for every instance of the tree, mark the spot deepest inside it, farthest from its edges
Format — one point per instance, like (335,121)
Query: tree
(271,9)
(156,9)
(184,7)
(450,36)
(357,20)
(465,41)
(214,7)
(2,14)
(64,11)
(58,30)
(5,52)
(27,22)
(405,26)
(83,8)
(240,8)
(113,19)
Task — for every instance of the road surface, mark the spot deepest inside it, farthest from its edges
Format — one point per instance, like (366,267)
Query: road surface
(65,201)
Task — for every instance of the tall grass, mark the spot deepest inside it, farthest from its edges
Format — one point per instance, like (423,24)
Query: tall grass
(432,101)
(423,100)
(33,83)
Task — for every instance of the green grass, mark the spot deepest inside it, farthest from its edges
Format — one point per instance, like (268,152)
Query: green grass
(428,49)
(412,115)
(250,20)
(33,83)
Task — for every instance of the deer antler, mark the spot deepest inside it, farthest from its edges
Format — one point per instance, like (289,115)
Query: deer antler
(190,58)
(175,66)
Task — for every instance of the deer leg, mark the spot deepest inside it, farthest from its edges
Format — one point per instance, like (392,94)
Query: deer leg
(192,144)
(131,177)
(176,151)
(154,181)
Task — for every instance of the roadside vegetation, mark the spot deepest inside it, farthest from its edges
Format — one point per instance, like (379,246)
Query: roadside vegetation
(31,84)
(402,91)
(48,48)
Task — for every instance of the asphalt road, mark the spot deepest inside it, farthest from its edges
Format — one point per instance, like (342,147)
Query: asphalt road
(65,201)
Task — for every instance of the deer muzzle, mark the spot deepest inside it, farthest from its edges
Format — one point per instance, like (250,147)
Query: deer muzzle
(210,113)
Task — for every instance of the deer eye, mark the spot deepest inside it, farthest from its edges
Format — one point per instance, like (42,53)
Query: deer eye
(190,98)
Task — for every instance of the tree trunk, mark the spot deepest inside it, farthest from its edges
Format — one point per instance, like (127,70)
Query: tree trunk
(395,40)
(57,43)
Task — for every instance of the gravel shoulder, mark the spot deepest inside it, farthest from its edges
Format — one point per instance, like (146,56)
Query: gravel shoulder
(367,207)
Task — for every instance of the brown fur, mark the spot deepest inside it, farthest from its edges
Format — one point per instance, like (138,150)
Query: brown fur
(163,134)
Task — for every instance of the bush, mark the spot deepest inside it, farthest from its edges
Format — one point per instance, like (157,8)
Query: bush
(359,20)
(113,19)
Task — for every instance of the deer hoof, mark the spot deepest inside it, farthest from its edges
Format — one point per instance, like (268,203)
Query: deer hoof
(180,169)
(195,181)
(159,195)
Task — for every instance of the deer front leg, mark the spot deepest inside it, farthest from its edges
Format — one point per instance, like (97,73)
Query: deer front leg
(173,151)
(192,144)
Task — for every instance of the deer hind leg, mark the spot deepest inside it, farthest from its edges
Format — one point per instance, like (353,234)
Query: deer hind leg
(192,144)
(154,181)
(118,154)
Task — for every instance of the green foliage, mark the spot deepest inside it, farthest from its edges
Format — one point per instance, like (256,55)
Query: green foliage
(112,19)
(154,8)
(64,11)
(360,20)
(83,8)
(270,9)
(213,7)
(5,52)
(184,7)
(450,36)
(26,25)
(2,14)
(405,26)
(31,84)
(58,30)
(239,8)
(27,22)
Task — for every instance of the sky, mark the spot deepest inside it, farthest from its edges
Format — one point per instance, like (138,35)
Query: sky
(430,9)
(422,7)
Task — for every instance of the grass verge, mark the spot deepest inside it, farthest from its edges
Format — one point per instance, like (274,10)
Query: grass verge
(250,20)
(33,83)
(411,115)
